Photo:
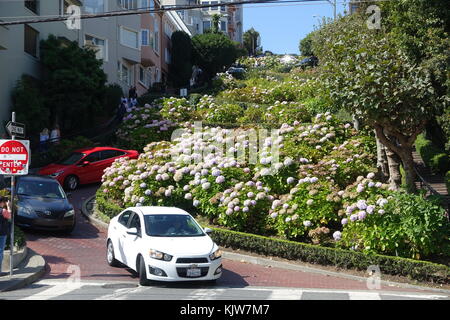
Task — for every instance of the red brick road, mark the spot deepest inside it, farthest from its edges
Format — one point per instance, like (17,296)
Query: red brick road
(85,248)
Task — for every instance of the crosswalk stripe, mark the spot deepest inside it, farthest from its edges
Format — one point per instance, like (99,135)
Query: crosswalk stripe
(285,294)
(54,291)
(364,296)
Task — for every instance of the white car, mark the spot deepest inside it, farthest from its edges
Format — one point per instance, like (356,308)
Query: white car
(163,243)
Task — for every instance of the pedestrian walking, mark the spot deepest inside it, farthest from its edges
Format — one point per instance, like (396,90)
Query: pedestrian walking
(132,93)
(55,134)
(5,216)
(43,140)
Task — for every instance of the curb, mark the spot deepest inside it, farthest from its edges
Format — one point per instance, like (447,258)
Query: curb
(96,222)
(31,269)
(259,260)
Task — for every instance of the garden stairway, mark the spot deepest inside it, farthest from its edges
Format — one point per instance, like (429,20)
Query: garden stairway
(434,183)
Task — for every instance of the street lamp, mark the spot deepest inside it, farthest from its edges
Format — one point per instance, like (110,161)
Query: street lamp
(333,3)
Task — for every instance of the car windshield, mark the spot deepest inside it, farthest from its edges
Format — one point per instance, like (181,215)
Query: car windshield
(42,189)
(171,225)
(72,159)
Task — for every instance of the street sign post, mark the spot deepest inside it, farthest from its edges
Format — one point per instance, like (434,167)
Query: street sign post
(16,129)
(14,160)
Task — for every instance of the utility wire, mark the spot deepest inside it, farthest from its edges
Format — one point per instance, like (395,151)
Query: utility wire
(144,11)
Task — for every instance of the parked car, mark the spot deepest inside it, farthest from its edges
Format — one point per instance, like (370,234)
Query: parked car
(309,62)
(236,72)
(85,165)
(41,203)
(163,243)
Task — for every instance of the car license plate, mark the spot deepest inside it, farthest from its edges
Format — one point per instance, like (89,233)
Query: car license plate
(193,272)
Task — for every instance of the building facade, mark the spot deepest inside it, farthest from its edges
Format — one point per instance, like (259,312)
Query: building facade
(199,20)
(134,49)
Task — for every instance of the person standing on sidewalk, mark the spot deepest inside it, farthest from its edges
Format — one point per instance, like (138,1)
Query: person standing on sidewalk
(5,216)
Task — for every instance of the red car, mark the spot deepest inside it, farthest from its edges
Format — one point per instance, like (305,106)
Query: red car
(85,165)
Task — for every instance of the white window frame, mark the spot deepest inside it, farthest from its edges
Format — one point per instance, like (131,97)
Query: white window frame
(121,28)
(147,81)
(167,57)
(38,39)
(129,74)
(226,25)
(105,9)
(129,4)
(214,8)
(147,38)
(203,25)
(106,51)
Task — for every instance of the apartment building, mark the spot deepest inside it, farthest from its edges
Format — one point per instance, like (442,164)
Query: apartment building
(199,20)
(19,44)
(134,49)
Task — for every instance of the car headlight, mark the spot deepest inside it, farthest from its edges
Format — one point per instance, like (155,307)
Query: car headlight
(155,254)
(216,254)
(24,211)
(56,174)
(69,213)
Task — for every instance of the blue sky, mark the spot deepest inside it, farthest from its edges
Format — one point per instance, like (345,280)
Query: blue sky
(281,26)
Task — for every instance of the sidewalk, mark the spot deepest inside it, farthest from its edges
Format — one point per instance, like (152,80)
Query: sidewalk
(27,272)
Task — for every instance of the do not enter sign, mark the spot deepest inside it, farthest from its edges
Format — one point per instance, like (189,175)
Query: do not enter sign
(14,157)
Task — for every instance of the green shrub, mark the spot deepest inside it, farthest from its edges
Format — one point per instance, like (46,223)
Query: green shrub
(432,156)
(105,205)
(440,162)
(408,225)
(19,239)
(113,94)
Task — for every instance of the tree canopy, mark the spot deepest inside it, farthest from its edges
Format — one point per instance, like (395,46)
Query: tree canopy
(370,75)
(213,52)
(181,65)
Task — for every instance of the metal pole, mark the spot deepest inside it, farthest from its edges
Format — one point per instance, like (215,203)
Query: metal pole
(13,186)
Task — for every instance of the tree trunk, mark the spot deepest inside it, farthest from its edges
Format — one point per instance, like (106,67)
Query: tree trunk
(408,165)
(401,144)
(395,178)
(355,122)
(382,161)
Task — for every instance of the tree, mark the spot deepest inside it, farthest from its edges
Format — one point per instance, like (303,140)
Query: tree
(370,76)
(305,45)
(215,21)
(29,105)
(74,83)
(180,68)
(213,52)
(251,37)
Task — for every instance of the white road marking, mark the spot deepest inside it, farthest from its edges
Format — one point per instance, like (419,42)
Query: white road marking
(54,291)
(364,295)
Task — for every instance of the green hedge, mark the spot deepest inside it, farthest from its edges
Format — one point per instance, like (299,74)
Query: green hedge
(105,206)
(346,259)
(432,156)
(417,270)
(19,238)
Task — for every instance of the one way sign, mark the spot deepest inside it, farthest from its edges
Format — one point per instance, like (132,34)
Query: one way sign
(16,129)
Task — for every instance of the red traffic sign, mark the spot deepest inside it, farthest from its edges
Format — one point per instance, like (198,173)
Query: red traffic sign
(14,157)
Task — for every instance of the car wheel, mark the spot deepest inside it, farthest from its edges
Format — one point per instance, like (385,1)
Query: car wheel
(71,182)
(70,230)
(110,258)
(143,281)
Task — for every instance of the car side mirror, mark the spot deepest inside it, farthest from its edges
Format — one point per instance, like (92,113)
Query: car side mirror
(208,230)
(133,231)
